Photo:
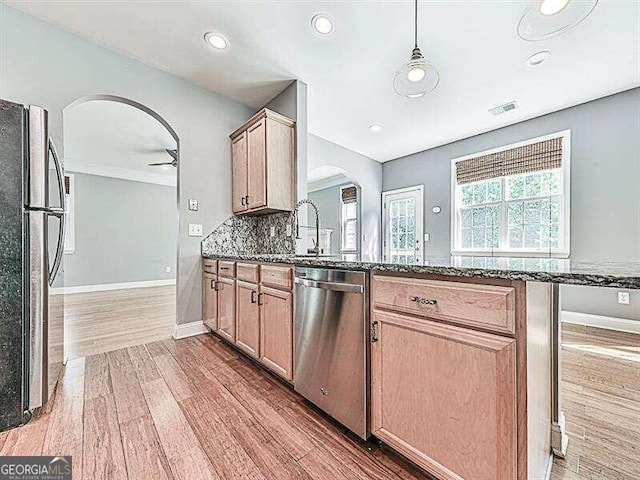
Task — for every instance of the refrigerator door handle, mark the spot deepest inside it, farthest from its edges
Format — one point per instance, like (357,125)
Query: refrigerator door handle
(58,212)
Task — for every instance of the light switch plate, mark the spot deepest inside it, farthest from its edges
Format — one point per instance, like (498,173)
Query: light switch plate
(167,269)
(195,230)
(427,237)
(193,204)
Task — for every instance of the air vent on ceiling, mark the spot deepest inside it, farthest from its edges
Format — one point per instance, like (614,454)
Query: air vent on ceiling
(504,108)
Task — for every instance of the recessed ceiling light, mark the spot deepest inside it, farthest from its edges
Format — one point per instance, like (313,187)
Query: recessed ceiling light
(322,24)
(374,127)
(216,40)
(538,58)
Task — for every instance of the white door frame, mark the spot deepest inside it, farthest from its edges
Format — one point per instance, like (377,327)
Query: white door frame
(418,192)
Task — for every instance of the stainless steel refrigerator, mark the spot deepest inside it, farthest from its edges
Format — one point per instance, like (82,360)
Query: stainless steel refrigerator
(32,221)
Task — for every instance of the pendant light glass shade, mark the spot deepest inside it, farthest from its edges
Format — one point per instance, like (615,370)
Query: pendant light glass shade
(549,18)
(417,78)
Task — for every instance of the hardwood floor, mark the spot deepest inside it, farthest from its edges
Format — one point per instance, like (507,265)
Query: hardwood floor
(601,401)
(100,322)
(195,408)
(192,409)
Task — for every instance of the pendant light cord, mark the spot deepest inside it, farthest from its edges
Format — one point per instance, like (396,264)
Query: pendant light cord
(415,26)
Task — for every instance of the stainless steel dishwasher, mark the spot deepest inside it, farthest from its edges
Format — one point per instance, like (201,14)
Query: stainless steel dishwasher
(331,332)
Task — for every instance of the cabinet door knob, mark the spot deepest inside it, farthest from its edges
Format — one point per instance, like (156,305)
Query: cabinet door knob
(374,331)
(214,285)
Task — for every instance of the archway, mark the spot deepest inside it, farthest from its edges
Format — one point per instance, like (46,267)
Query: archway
(125,154)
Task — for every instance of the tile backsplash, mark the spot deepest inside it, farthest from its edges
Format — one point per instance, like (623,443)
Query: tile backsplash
(251,235)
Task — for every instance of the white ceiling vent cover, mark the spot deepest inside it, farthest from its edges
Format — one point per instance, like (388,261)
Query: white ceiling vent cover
(504,108)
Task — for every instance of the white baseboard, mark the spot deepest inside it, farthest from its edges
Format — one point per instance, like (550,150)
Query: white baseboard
(111,286)
(610,323)
(189,330)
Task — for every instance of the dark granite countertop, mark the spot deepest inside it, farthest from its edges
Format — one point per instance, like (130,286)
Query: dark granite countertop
(602,274)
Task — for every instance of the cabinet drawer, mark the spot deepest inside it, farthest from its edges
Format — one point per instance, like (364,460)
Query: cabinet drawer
(276,276)
(226,268)
(209,266)
(247,272)
(485,306)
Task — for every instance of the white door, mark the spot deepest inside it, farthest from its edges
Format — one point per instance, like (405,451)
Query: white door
(402,213)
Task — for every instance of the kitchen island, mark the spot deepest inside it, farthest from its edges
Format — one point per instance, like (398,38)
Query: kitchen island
(463,364)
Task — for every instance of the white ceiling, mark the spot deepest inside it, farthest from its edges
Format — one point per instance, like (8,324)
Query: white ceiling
(473,44)
(115,139)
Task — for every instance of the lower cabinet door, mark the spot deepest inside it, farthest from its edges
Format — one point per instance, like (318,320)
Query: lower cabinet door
(276,331)
(227,308)
(247,318)
(444,396)
(210,300)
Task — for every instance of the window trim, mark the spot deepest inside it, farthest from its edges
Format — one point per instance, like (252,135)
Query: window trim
(70,224)
(565,247)
(386,248)
(358,205)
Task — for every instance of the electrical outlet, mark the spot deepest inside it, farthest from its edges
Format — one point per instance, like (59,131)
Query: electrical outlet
(272,231)
(167,269)
(623,298)
(288,229)
(195,230)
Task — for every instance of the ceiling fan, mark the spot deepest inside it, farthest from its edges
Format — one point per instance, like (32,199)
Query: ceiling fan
(173,163)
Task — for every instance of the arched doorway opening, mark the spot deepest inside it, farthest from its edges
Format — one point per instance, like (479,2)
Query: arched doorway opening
(122,164)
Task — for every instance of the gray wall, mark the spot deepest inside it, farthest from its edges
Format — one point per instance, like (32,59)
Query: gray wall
(365,172)
(45,65)
(328,202)
(125,231)
(605,184)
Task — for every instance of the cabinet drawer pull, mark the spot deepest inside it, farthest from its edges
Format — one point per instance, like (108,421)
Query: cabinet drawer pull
(423,301)
(242,201)
(214,285)
(260,302)
(246,200)
(253,296)
(224,268)
(374,331)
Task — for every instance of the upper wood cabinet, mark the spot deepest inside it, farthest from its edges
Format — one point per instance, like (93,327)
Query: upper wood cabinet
(263,156)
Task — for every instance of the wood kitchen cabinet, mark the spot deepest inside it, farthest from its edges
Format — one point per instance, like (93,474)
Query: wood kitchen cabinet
(210,300)
(276,331)
(247,318)
(263,164)
(445,396)
(227,308)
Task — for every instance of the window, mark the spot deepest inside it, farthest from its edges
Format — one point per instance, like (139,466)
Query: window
(69,199)
(513,200)
(349,219)
(403,224)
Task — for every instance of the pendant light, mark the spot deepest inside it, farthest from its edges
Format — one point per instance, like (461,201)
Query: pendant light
(418,77)
(545,19)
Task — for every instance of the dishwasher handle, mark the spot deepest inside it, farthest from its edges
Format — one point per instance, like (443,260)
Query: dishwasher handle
(333,286)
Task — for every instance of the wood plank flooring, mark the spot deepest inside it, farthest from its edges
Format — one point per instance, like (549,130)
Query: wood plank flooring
(195,408)
(601,401)
(98,322)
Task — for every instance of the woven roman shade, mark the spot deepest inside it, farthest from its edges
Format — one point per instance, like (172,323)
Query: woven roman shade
(349,194)
(545,155)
